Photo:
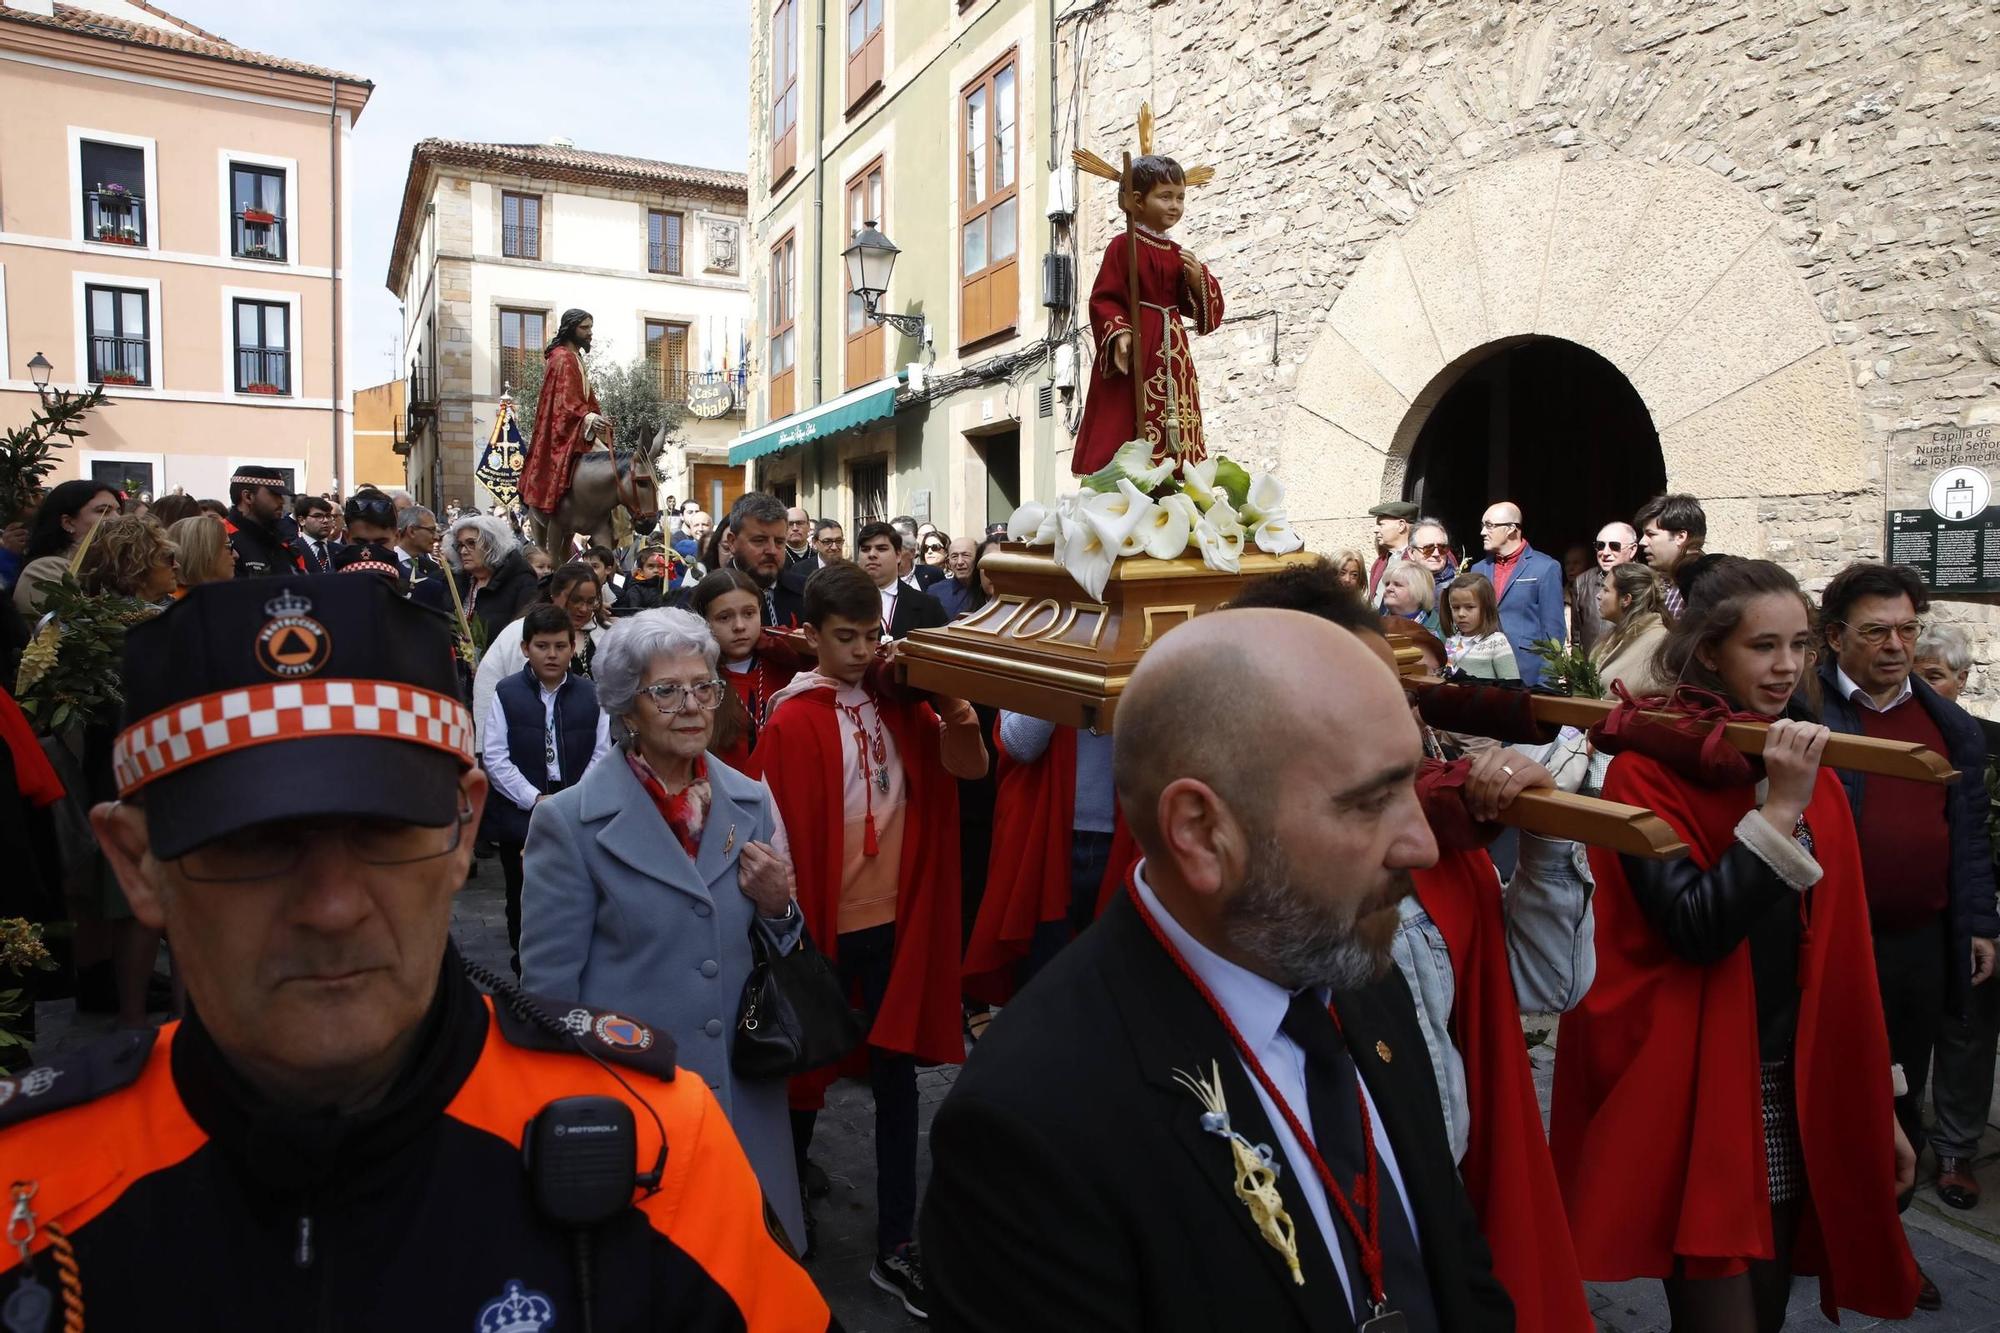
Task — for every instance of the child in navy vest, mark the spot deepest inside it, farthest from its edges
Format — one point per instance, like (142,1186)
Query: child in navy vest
(544,730)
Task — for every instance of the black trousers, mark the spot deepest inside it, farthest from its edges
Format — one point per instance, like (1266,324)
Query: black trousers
(1910,969)
(509,856)
(1089,857)
(864,960)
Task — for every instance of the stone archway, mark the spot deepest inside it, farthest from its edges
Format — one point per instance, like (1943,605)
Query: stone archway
(1670,274)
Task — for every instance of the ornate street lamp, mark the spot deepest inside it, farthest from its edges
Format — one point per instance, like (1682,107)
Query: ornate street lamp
(39,369)
(871,258)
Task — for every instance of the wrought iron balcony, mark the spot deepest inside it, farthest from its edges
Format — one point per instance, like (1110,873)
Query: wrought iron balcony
(519,242)
(264,371)
(116,361)
(113,215)
(257,234)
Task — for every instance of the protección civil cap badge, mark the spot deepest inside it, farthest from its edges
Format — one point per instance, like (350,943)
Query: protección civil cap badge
(292,645)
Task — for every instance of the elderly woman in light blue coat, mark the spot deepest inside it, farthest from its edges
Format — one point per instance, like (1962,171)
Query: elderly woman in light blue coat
(643,882)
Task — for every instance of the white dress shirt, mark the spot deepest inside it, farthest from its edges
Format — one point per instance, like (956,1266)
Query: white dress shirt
(501,770)
(1860,698)
(889,596)
(1257,1006)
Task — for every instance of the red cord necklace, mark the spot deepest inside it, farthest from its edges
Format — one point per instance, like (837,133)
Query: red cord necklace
(1367,1190)
(874,769)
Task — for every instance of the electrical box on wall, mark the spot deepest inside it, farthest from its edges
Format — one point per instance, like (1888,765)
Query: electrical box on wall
(1058,282)
(1062,194)
(1065,367)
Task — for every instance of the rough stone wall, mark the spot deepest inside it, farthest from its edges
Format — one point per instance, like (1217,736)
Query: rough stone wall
(1868,131)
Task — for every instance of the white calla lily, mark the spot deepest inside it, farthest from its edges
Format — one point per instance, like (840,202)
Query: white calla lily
(1117,515)
(1198,482)
(1221,543)
(1276,536)
(1084,553)
(1026,523)
(1266,499)
(1168,526)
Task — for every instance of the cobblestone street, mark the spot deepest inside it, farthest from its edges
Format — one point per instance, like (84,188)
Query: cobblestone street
(1961,1251)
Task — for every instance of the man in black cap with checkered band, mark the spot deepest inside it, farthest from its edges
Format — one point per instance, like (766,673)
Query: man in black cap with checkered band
(259,527)
(338,1122)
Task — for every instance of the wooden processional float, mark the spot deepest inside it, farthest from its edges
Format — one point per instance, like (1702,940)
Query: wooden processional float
(1043,647)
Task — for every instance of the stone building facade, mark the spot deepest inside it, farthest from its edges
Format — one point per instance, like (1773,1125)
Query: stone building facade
(495,241)
(1775,220)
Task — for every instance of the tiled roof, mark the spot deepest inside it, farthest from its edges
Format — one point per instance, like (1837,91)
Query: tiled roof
(563,163)
(182,37)
(551,162)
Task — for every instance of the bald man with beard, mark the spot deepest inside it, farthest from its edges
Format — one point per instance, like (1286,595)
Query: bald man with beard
(1077,1181)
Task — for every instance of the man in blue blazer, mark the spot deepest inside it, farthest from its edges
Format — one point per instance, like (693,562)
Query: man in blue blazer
(1528,584)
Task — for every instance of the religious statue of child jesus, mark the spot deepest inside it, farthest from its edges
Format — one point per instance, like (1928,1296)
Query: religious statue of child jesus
(1173,287)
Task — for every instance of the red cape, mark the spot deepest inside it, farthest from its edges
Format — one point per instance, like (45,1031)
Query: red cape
(1027,879)
(1507,1170)
(799,756)
(33,774)
(558,437)
(1658,1129)
(776,675)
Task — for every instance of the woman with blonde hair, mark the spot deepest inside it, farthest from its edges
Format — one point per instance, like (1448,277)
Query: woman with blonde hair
(130,556)
(206,555)
(1407,592)
(1352,570)
(1635,606)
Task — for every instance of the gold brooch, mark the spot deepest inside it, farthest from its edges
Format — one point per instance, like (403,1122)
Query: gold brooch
(1383,1053)
(1256,1171)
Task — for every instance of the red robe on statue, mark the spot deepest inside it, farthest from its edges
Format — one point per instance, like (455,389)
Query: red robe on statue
(1657,1121)
(1027,880)
(799,756)
(558,441)
(1173,399)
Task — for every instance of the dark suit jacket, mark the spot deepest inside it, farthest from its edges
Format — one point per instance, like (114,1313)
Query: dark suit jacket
(1072,1186)
(926,575)
(916,610)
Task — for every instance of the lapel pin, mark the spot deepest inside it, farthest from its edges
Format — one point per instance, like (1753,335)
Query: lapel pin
(1383,1053)
(730,842)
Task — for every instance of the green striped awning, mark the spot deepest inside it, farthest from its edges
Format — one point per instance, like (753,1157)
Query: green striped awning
(857,407)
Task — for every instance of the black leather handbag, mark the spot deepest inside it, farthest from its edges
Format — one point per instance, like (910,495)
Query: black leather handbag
(794,1015)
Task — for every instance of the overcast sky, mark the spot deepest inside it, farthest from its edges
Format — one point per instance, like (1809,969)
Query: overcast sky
(661,80)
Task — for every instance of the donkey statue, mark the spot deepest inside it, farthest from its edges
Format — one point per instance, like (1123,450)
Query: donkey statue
(604,482)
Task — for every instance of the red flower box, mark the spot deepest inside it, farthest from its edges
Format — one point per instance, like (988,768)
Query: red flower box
(262,388)
(116,238)
(259,217)
(117,377)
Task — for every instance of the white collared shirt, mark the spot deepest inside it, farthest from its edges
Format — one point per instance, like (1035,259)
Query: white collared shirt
(1860,698)
(1257,1006)
(889,596)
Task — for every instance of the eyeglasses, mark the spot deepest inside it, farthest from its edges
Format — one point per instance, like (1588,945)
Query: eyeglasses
(1484,526)
(1877,635)
(932,548)
(431,528)
(1611,546)
(268,851)
(671,696)
(1433,548)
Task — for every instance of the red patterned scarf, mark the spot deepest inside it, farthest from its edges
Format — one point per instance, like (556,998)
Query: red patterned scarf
(685,810)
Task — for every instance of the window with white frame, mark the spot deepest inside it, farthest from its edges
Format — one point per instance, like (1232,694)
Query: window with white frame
(263,335)
(257,219)
(114,193)
(119,338)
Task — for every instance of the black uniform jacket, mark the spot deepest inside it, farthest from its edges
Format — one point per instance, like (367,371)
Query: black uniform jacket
(1073,1187)
(193,1203)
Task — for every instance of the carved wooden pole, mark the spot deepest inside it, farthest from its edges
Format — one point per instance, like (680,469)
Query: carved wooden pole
(1128,196)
